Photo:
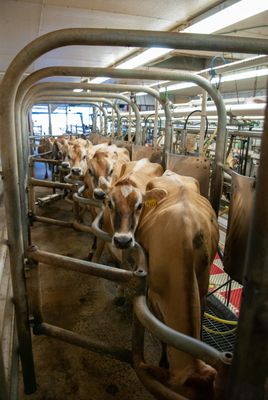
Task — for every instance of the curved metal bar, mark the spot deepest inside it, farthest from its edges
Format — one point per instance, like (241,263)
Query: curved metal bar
(114,88)
(98,231)
(182,342)
(39,88)
(12,164)
(86,201)
(155,387)
(68,179)
(157,74)
(86,267)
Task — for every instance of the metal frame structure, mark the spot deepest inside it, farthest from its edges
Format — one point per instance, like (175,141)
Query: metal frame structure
(13,162)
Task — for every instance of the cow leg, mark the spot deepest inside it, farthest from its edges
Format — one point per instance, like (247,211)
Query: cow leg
(93,249)
(163,363)
(99,246)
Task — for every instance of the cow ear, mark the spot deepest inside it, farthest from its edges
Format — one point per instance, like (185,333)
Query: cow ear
(115,156)
(58,145)
(88,144)
(152,197)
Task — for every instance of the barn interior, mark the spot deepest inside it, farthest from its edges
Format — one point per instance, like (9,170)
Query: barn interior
(198,109)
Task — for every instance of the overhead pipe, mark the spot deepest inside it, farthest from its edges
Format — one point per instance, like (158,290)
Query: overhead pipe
(11,161)
(158,74)
(116,88)
(37,89)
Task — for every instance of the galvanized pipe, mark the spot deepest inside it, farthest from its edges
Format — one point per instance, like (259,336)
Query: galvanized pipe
(182,342)
(216,185)
(83,341)
(86,267)
(248,378)
(10,83)
(67,97)
(40,88)
(155,387)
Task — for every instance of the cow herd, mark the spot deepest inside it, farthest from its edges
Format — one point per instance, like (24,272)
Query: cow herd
(177,227)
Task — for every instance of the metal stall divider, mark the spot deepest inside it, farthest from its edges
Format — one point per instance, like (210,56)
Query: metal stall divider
(12,172)
(158,75)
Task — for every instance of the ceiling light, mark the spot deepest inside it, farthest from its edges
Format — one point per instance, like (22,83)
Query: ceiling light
(227,78)
(144,58)
(229,16)
(226,17)
(100,79)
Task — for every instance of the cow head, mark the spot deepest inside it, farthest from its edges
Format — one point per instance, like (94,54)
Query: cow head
(76,157)
(101,171)
(125,204)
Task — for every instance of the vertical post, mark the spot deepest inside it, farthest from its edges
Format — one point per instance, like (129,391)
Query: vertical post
(112,123)
(49,120)
(203,121)
(129,123)
(249,371)
(155,124)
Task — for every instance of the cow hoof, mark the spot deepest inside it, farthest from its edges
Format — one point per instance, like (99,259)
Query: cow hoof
(119,301)
(160,374)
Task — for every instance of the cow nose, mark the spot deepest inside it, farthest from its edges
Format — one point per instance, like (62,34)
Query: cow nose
(99,194)
(122,241)
(76,171)
(65,165)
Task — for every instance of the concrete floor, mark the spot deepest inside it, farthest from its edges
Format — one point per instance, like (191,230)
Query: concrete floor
(86,305)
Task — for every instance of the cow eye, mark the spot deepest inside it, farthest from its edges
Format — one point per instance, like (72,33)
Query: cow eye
(69,157)
(110,173)
(110,204)
(84,157)
(139,207)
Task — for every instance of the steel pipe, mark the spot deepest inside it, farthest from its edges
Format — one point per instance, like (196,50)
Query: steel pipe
(182,342)
(248,378)
(216,185)
(38,89)
(155,387)
(86,267)
(83,341)
(12,164)
(115,88)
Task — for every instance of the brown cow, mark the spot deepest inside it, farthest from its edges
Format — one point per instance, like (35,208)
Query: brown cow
(104,168)
(178,229)
(76,152)
(134,174)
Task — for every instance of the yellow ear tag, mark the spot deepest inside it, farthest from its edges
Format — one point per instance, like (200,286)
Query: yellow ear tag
(150,203)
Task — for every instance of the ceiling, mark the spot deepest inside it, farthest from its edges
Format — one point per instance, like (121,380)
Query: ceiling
(22,21)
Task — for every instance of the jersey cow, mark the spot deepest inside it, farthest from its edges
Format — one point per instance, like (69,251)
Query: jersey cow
(104,168)
(178,229)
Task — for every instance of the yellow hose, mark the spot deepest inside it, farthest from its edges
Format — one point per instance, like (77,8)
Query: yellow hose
(217,319)
(219,332)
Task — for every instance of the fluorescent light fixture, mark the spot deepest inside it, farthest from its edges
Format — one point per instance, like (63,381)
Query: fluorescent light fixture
(100,79)
(226,17)
(229,16)
(227,78)
(141,94)
(143,58)
(78,90)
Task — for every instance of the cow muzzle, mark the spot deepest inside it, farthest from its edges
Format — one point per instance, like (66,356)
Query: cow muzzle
(76,171)
(123,241)
(99,194)
(65,165)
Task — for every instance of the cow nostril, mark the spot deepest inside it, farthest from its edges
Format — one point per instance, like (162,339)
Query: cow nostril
(122,242)
(99,194)
(76,171)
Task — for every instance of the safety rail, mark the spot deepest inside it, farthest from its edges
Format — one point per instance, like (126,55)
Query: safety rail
(14,160)
(9,356)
